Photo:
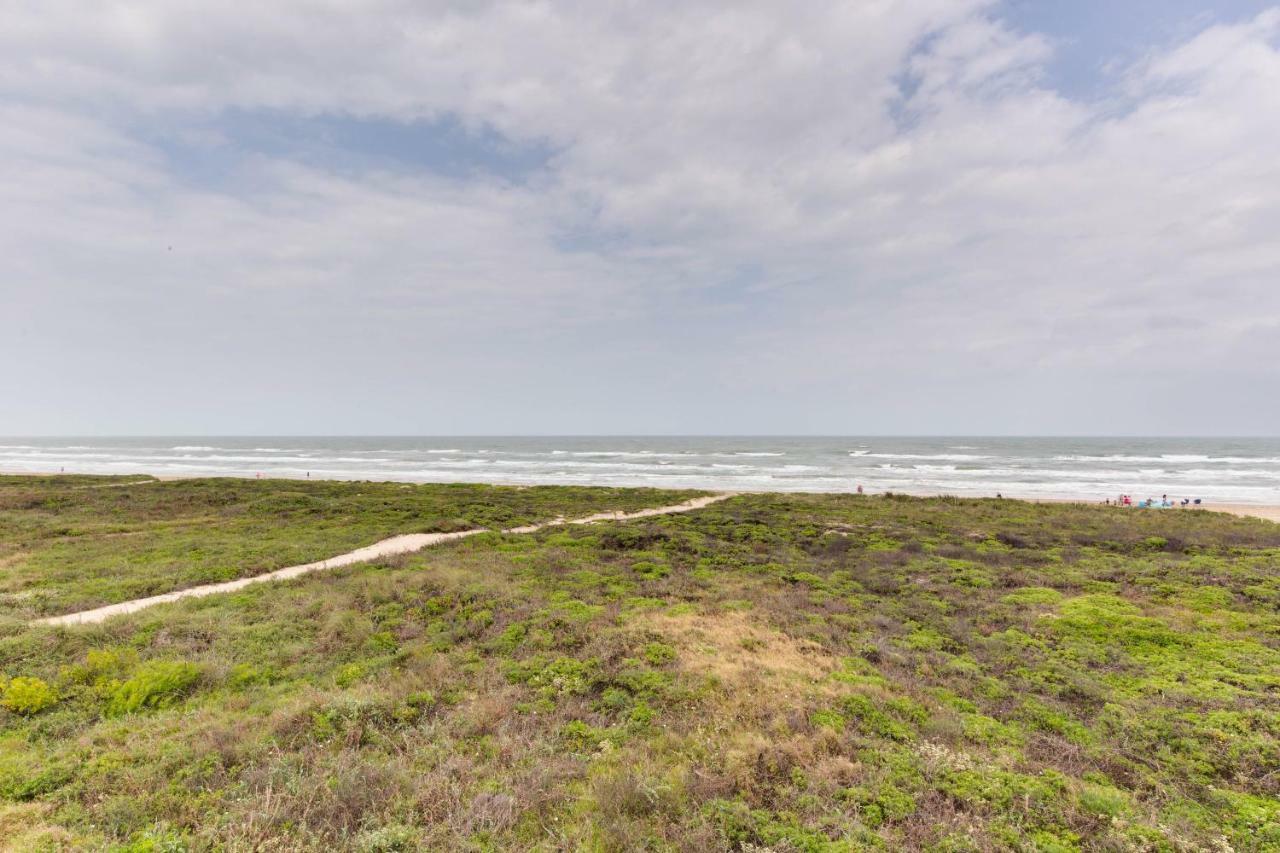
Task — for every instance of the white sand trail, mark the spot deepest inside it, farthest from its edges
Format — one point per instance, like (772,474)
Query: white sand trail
(404,544)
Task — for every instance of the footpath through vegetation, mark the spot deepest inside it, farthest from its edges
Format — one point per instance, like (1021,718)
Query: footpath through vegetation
(69,544)
(403,544)
(784,672)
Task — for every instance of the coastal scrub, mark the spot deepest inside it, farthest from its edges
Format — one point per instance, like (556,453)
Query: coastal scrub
(804,673)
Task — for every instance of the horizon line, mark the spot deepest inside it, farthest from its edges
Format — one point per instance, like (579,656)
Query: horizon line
(43,436)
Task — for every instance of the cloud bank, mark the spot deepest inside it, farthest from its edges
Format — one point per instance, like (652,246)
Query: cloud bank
(681,217)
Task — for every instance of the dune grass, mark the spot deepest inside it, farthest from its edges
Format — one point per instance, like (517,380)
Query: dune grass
(80,542)
(783,672)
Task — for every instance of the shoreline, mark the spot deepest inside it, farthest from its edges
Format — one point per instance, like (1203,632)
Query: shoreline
(1266,512)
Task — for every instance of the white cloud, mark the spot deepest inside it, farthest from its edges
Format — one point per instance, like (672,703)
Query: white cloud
(842,187)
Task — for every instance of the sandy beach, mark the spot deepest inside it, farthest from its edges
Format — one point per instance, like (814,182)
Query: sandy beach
(1270,513)
(1266,512)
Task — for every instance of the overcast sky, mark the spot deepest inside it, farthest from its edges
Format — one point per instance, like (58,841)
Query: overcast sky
(857,217)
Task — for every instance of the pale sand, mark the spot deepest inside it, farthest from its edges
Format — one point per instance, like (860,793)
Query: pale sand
(387,547)
(1268,513)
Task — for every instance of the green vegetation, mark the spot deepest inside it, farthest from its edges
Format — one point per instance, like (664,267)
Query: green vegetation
(155,684)
(73,543)
(784,672)
(26,695)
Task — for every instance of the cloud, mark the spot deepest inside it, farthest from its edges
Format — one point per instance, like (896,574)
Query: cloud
(757,195)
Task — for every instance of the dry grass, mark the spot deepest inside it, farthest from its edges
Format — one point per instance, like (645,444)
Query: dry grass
(738,649)
(25,826)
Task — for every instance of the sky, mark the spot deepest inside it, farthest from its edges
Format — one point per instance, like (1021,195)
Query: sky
(697,217)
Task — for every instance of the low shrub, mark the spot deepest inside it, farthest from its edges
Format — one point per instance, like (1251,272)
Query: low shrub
(659,653)
(1033,595)
(1104,800)
(156,684)
(28,696)
(650,569)
(24,777)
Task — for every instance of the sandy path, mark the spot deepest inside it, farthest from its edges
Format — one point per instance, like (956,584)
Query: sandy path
(387,547)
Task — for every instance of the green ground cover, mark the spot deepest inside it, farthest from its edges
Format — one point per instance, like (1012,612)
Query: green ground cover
(782,672)
(76,542)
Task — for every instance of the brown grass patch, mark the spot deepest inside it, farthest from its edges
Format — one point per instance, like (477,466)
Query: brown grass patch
(23,827)
(734,648)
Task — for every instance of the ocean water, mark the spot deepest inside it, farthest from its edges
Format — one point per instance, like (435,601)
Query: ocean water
(1240,470)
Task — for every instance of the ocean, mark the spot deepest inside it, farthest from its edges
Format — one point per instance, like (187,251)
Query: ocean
(1228,470)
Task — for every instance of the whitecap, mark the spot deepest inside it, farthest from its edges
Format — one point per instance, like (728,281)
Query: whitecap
(945,457)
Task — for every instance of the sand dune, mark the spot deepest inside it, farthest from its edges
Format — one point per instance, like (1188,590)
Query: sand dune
(404,544)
